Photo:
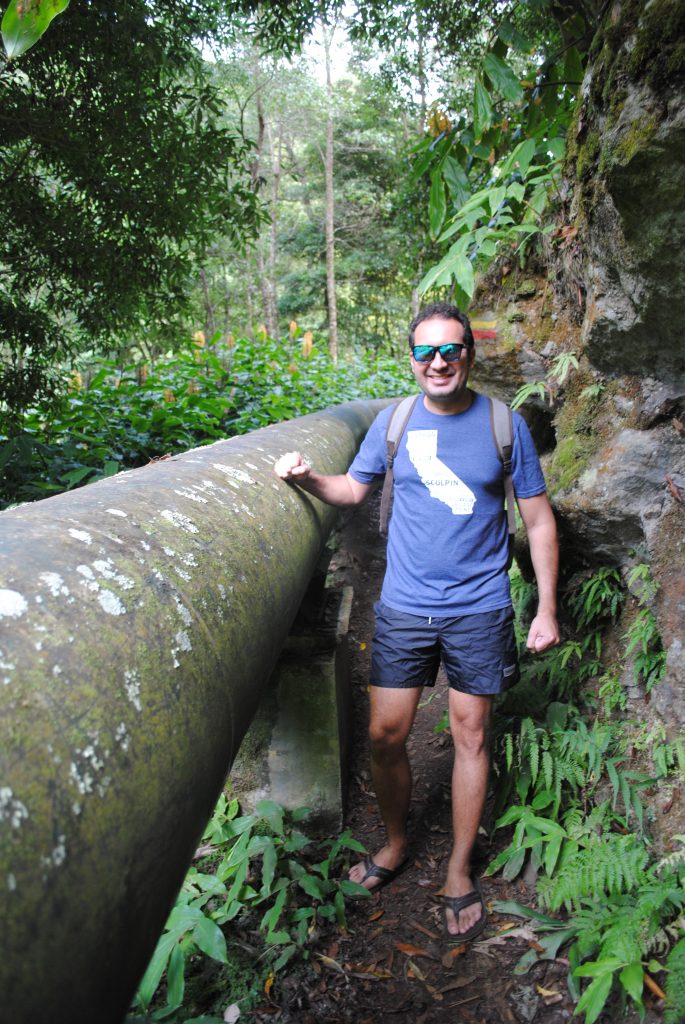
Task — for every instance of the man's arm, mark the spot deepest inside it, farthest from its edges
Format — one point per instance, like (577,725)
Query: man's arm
(341,490)
(541,528)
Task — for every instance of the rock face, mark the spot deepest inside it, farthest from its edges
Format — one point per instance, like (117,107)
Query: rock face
(612,433)
(629,154)
(629,163)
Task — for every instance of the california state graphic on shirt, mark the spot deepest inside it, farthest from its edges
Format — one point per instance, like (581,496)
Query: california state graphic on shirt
(442,483)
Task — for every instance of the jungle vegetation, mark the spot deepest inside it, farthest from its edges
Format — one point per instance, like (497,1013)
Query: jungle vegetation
(209,225)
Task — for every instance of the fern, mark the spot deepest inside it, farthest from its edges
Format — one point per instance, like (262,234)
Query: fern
(675,984)
(609,865)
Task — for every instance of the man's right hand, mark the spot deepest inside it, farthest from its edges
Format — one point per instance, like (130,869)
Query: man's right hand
(292,466)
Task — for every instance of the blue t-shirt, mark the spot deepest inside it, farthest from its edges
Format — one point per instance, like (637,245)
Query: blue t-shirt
(447,539)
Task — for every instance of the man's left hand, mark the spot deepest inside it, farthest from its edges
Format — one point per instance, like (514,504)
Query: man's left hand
(543,633)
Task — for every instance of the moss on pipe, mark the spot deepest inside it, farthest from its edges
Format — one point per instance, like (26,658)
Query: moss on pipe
(140,618)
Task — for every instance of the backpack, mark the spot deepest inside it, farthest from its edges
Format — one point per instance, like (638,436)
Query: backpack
(502,433)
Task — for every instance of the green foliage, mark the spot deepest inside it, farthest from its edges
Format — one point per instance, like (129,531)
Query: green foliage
(260,865)
(644,643)
(127,416)
(25,22)
(572,798)
(675,984)
(117,173)
(547,388)
(495,171)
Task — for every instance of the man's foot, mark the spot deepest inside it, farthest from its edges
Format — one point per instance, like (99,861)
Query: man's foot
(374,873)
(465,913)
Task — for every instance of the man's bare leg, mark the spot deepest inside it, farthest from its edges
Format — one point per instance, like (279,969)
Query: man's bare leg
(469,724)
(391,718)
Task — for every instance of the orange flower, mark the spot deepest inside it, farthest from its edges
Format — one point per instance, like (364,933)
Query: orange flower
(292,327)
(169,395)
(199,339)
(307,343)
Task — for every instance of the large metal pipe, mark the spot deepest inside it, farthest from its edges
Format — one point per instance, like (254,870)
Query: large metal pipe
(140,618)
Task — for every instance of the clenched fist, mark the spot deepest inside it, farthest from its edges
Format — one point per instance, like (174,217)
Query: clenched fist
(292,466)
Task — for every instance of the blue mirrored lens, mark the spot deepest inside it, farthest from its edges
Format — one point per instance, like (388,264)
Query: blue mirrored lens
(426,353)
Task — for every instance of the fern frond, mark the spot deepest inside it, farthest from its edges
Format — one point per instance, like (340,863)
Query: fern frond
(605,867)
(675,984)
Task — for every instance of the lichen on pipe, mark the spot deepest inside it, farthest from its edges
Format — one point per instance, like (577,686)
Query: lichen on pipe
(140,618)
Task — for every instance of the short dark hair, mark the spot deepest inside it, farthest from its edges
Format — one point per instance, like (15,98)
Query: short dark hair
(442,311)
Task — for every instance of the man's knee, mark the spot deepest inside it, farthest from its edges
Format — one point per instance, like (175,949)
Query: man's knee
(470,738)
(470,722)
(387,735)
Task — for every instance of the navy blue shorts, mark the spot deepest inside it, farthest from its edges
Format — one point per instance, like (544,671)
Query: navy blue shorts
(478,651)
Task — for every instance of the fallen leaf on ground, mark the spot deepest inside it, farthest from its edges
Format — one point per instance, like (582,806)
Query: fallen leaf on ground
(425,931)
(406,947)
(376,915)
(545,992)
(449,957)
(328,961)
(499,940)
(458,983)
(414,972)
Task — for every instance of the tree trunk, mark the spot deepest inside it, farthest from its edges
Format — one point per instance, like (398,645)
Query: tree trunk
(330,207)
(265,268)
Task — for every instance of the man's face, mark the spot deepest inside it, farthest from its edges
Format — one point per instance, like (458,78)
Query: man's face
(443,383)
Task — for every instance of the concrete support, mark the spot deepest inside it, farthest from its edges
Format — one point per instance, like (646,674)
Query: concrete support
(295,752)
(140,618)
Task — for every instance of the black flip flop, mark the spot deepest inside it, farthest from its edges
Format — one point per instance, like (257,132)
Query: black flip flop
(457,903)
(384,875)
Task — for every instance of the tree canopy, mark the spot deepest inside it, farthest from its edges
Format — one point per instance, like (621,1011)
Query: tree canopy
(116,172)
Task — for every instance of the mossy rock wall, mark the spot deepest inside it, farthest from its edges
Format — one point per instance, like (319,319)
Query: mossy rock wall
(628,156)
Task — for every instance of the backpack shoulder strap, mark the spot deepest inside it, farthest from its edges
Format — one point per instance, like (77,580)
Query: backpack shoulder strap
(397,423)
(503,435)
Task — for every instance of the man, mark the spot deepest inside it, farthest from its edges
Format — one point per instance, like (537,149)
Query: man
(446,590)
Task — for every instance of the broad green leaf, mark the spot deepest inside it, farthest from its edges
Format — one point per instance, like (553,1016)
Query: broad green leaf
(313,886)
(632,978)
(183,919)
(457,180)
(516,190)
(552,853)
(496,197)
(349,888)
(594,997)
(513,866)
(462,269)
(21,30)
(210,939)
(75,476)
(524,154)
(269,861)
(510,35)
(437,277)
(503,78)
(437,205)
(155,969)
(518,909)
(482,108)
(273,914)
(175,977)
(597,968)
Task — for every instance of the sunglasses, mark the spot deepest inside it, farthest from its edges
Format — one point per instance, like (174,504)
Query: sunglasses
(451,352)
